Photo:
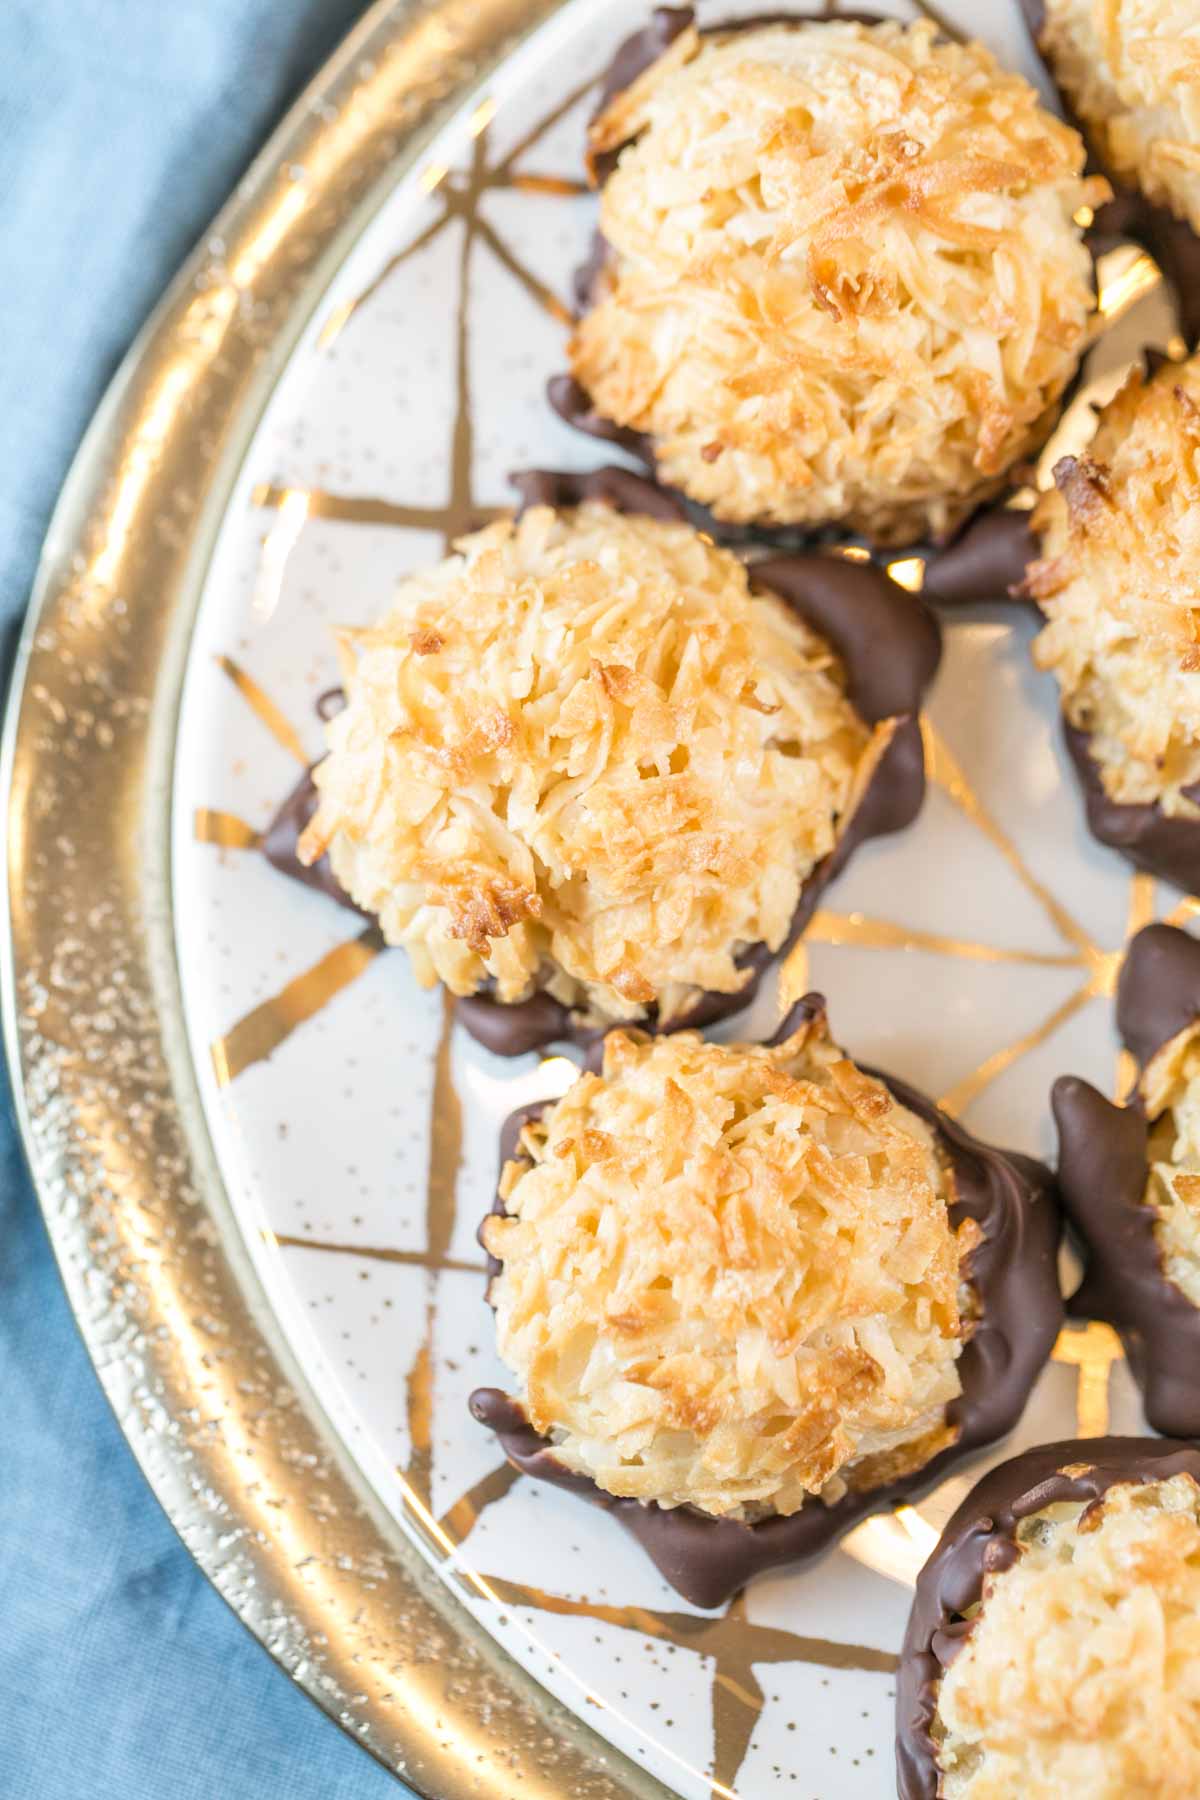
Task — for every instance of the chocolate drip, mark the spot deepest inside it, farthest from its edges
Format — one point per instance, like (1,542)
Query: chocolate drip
(522,1025)
(1158,994)
(888,640)
(981,1540)
(890,644)
(633,57)
(573,404)
(1144,834)
(1013,1272)
(283,833)
(624,491)
(987,561)
(1103,1167)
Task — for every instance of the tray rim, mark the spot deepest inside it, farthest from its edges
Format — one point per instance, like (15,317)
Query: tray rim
(338,1595)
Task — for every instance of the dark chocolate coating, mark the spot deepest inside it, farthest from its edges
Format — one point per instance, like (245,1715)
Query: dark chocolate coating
(987,561)
(279,841)
(890,646)
(1158,994)
(1102,1172)
(981,1540)
(1014,1274)
(573,404)
(1145,835)
(621,489)
(890,643)
(1176,249)
(633,57)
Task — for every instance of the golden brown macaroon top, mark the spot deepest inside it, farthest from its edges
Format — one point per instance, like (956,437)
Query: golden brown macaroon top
(1119,583)
(1081,1674)
(729,1278)
(845,283)
(581,755)
(1131,70)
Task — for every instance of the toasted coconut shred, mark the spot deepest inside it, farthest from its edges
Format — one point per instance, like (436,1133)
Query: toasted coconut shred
(729,1278)
(1081,1675)
(1131,69)
(1170,1092)
(580,755)
(845,282)
(1119,583)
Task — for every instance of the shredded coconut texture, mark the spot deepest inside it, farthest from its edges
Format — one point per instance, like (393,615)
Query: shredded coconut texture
(845,282)
(1081,1677)
(1131,70)
(581,755)
(1170,1090)
(1119,583)
(729,1278)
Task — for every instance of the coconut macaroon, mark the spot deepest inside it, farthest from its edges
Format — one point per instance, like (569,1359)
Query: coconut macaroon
(728,1278)
(582,757)
(1069,1617)
(1117,581)
(843,283)
(1131,71)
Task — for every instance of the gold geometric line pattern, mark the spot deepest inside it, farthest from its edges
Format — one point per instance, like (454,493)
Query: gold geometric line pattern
(362,509)
(418,1389)
(412,1259)
(506,169)
(460,1519)
(731,1643)
(260,703)
(700,1631)
(560,187)
(943,768)
(956,1099)
(224,829)
(1183,911)
(341,316)
(1092,1350)
(461,202)
(856,929)
(271,1023)
(537,289)
(445,1141)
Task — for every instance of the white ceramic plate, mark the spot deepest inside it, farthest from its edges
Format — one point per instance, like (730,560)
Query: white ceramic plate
(355,1127)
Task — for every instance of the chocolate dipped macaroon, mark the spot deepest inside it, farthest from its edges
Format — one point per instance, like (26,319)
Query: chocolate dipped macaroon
(1115,579)
(1130,1180)
(751,1293)
(1129,75)
(592,769)
(1053,1650)
(1130,71)
(839,281)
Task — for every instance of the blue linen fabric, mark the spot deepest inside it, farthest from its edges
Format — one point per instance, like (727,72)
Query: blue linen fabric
(123,1676)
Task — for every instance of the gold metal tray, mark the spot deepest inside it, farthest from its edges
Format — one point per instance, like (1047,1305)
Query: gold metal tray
(233,1443)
